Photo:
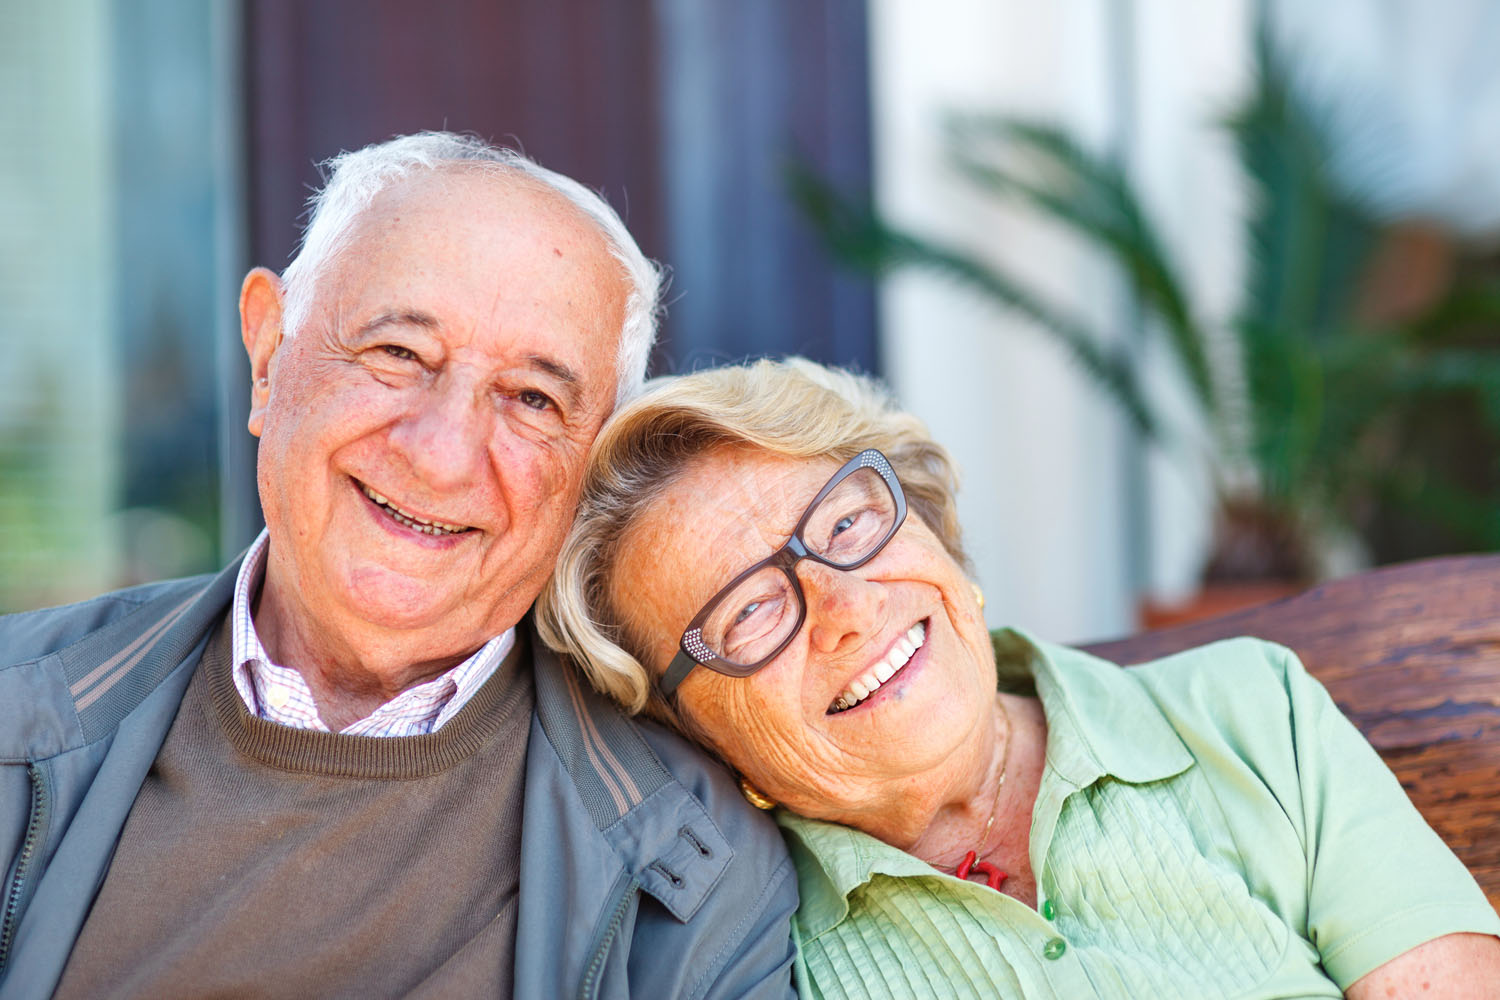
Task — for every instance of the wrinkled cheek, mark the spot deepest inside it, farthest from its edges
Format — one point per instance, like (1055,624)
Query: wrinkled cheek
(763,738)
(523,471)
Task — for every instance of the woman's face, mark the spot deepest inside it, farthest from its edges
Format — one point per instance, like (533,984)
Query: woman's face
(783,727)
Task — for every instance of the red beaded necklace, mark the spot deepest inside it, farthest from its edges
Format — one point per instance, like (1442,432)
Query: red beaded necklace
(993,877)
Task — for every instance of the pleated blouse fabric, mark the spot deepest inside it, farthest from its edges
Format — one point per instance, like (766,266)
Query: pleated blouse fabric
(1208,825)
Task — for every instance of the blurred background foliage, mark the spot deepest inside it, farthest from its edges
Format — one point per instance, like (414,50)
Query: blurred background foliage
(1311,358)
(1353,398)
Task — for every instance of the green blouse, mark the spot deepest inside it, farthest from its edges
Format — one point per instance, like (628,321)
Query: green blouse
(1208,825)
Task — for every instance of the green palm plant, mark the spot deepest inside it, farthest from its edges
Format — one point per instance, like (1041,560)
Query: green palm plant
(1333,404)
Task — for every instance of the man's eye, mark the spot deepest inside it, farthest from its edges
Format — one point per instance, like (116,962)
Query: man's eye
(397,351)
(535,400)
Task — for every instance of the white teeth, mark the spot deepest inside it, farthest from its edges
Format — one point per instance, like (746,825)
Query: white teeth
(901,653)
(411,520)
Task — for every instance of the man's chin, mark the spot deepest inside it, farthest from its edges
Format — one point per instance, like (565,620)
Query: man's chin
(387,599)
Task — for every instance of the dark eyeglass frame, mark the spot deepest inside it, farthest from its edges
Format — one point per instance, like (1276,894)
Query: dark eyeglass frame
(694,653)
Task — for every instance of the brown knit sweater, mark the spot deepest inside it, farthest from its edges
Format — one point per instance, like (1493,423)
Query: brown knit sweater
(264,861)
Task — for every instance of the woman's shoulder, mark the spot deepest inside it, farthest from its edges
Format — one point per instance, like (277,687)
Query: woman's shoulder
(1241,665)
(1221,676)
(1240,698)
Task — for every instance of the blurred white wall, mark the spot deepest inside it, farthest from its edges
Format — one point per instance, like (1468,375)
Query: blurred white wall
(1067,520)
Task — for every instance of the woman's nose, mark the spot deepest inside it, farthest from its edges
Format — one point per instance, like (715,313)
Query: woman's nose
(840,604)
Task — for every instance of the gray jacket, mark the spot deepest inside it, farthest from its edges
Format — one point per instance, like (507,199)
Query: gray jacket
(642,871)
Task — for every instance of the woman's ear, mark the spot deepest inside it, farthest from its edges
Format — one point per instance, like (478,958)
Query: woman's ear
(261,304)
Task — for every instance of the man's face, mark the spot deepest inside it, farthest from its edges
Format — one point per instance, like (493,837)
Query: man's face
(423,434)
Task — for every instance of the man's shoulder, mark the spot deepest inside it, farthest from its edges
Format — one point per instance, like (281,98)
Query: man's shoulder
(27,635)
(621,762)
(96,661)
(618,804)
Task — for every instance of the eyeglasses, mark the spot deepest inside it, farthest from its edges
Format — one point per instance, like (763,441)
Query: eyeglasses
(748,623)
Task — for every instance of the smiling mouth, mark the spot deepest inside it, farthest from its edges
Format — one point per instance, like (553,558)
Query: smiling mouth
(877,676)
(412,521)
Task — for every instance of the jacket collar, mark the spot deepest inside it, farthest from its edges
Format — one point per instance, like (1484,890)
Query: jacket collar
(110,670)
(661,832)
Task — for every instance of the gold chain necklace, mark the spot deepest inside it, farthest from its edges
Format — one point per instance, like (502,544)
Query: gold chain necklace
(993,877)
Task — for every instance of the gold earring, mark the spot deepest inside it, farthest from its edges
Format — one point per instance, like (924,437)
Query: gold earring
(755,796)
(978,594)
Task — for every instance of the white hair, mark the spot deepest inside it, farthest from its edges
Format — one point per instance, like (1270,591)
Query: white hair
(353,180)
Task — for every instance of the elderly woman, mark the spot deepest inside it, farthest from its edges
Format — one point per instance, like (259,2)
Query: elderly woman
(767,558)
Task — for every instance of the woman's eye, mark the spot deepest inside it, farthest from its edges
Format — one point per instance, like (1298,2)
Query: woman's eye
(753,627)
(854,521)
(401,353)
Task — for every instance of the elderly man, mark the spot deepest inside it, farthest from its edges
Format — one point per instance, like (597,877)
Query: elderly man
(344,766)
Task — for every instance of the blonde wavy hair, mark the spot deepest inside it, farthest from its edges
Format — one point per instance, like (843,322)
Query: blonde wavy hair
(794,408)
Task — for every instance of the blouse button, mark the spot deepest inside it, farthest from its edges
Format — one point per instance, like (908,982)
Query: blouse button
(1053,950)
(1048,910)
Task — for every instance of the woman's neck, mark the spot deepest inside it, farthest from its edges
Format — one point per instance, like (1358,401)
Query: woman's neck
(992,816)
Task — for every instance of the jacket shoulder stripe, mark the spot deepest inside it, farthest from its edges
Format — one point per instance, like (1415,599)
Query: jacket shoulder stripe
(620,771)
(113,668)
(621,788)
(605,753)
(147,639)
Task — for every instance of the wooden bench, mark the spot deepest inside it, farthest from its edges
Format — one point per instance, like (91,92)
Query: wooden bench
(1411,653)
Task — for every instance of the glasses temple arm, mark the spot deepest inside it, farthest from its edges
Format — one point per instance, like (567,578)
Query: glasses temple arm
(682,664)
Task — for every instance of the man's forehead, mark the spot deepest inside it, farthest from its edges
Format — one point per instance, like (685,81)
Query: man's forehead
(459,189)
(483,255)
(499,228)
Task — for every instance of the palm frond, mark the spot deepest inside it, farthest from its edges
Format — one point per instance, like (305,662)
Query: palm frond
(860,238)
(1089,194)
(1428,494)
(1447,372)
(1307,241)
(1470,307)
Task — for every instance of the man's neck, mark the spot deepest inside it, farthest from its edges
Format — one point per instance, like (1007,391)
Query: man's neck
(350,672)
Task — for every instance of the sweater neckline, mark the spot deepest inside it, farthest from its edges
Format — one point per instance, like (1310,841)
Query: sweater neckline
(495,705)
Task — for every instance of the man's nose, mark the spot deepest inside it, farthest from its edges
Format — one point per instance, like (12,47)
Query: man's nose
(445,437)
(840,604)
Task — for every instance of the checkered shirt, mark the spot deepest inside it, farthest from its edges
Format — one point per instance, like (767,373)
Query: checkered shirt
(279,694)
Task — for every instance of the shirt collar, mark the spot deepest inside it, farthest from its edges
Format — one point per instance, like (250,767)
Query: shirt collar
(423,708)
(832,861)
(1100,722)
(245,644)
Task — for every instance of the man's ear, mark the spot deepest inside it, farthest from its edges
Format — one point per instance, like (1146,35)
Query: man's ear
(261,303)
